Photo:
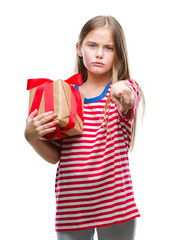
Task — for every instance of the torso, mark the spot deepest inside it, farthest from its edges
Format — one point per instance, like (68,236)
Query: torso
(93,182)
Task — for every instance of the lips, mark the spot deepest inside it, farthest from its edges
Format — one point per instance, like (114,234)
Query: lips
(98,64)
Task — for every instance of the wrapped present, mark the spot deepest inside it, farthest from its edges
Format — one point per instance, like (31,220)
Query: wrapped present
(61,97)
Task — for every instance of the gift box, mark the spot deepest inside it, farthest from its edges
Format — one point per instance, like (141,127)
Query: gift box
(61,97)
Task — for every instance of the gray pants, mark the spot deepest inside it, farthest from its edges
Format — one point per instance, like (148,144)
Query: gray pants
(120,231)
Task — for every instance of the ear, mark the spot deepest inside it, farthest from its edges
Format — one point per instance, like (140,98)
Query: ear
(78,49)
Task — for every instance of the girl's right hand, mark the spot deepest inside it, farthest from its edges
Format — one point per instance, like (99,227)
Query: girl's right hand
(38,126)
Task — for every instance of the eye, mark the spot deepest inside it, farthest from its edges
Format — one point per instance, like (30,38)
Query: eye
(109,48)
(92,45)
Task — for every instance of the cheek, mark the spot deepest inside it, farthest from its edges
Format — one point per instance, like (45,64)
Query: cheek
(86,58)
(112,57)
(111,60)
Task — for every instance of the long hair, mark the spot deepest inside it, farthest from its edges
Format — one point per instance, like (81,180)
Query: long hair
(120,68)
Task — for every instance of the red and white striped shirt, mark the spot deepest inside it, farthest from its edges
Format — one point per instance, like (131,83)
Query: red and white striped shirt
(93,181)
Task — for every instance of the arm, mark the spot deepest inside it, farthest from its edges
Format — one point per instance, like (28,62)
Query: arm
(38,126)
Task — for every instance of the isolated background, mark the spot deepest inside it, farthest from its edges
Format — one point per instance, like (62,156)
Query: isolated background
(38,39)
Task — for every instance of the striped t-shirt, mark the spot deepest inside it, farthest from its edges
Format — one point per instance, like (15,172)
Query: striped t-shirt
(93,181)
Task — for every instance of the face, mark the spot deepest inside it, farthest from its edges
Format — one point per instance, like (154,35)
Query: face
(97,51)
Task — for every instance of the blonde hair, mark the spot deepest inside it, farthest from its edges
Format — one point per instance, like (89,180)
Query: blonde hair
(120,68)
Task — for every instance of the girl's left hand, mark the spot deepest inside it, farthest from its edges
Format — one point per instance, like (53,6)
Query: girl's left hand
(122,96)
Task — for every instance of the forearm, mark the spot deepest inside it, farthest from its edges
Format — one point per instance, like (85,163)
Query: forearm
(47,150)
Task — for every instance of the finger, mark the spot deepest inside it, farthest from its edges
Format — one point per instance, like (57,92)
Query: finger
(116,93)
(126,97)
(47,119)
(43,115)
(48,125)
(46,131)
(118,104)
(33,114)
(127,100)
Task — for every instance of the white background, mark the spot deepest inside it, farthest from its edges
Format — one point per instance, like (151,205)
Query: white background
(38,40)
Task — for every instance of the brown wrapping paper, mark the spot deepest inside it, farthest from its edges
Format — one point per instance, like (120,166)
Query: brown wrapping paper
(62,106)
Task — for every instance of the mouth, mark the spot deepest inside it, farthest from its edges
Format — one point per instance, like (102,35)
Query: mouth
(98,64)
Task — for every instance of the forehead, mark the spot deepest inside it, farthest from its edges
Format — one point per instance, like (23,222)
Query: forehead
(100,35)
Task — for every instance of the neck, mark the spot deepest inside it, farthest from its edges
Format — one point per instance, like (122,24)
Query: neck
(98,80)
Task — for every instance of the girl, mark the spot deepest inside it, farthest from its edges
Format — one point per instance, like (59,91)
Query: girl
(93,181)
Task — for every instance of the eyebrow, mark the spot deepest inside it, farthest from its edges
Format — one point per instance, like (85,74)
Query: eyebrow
(107,44)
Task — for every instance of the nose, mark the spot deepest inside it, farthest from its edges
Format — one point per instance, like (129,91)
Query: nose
(99,53)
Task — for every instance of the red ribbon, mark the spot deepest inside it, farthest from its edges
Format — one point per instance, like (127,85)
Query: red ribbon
(46,85)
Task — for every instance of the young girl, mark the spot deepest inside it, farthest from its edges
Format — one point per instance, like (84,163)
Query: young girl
(93,181)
